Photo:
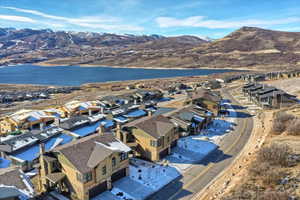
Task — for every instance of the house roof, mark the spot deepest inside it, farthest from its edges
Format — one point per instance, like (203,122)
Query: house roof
(88,152)
(74,121)
(15,179)
(56,176)
(156,126)
(206,94)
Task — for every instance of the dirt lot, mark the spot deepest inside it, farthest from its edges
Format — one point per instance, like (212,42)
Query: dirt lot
(245,182)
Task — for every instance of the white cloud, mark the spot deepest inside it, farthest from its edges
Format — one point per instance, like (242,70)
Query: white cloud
(17,18)
(201,21)
(93,22)
(95,19)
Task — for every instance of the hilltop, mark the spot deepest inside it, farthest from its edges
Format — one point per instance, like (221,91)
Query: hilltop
(247,47)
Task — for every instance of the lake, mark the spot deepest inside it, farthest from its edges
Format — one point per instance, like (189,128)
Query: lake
(76,75)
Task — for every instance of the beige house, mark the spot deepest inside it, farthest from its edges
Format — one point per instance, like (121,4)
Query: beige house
(154,136)
(25,119)
(206,99)
(84,168)
(80,108)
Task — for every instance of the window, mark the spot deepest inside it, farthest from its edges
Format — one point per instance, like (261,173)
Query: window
(153,143)
(123,156)
(113,161)
(78,176)
(103,170)
(87,177)
(159,142)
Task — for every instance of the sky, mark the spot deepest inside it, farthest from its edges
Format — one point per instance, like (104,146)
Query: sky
(203,18)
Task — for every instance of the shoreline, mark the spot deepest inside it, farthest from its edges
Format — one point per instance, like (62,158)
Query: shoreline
(124,81)
(45,64)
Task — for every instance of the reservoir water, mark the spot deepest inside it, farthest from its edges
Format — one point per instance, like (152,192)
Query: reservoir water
(76,75)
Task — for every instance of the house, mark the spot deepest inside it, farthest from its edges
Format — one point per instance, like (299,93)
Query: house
(85,167)
(25,119)
(191,119)
(148,95)
(22,150)
(212,84)
(268,96)
(276,99)
(232,78)
(14,184)
(80,108)
(206,99)
(74,122)
(254,77)
(154,136)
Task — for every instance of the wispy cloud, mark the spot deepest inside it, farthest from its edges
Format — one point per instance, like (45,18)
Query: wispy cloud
(201,21)
(17,18)
(93,22)
(91,19)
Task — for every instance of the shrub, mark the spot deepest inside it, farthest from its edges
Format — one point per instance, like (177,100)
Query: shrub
(272,177)
(294,127)
(278,127)
(281,121)
(284,117)
(275,195)
(276,154)
(259,168)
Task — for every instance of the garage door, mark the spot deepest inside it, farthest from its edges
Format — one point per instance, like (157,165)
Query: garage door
(102,187)
(119,174)
(163,153)
(174,143)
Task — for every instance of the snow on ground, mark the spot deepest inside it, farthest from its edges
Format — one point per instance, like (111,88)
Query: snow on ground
(193,149)
(144,179)
(216,130)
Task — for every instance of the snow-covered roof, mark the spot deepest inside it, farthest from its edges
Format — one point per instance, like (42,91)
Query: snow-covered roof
(13,182)
(29,115)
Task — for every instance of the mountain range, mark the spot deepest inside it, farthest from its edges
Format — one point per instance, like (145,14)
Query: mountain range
(247,47)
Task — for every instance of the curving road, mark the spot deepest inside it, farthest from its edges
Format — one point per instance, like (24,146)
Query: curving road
(199,176)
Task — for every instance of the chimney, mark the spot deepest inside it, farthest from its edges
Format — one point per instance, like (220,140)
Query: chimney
(42,126)
(101,129)
(135,102)
(90,112)
(118,132)
(56,121)
(42,148)
(149,113)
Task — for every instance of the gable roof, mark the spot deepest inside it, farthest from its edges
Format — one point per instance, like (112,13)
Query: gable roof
(13,181)
(86,153)
(206,94)
(156,126)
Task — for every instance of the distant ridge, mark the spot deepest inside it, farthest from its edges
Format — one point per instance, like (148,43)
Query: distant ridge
(246,47)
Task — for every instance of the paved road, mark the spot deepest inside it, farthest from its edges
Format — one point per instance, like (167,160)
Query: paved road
(198,176)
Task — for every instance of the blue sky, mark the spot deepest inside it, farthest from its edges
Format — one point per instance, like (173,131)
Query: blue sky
(212,18)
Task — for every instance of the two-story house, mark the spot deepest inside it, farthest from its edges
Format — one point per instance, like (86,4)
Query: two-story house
(25,119)
(86,167)
(207,99)
(80,108)
(154,136)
